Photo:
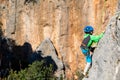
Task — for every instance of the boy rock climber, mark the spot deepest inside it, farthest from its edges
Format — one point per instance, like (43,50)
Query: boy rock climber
(86,48)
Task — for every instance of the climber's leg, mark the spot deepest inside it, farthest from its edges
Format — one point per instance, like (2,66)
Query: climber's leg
(88,65)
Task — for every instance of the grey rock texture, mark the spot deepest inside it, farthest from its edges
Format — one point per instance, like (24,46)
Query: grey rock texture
(47,49)
(106,58)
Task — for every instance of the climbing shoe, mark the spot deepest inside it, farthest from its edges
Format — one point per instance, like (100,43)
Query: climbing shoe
(86,76)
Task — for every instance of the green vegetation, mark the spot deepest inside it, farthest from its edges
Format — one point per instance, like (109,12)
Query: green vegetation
(37,71)
(1,33)
(80,74)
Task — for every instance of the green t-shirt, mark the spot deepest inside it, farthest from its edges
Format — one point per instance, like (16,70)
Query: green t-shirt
(93,38)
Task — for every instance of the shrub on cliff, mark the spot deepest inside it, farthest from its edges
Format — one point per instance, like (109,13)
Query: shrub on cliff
(1,33)
(37,71)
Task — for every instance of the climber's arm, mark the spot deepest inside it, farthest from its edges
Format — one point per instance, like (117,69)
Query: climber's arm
(96,38)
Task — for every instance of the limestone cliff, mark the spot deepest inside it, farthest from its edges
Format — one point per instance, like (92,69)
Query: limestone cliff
(60,20)
(106,58)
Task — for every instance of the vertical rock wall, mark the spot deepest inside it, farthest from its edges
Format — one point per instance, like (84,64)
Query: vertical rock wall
(106,58)
(60,20)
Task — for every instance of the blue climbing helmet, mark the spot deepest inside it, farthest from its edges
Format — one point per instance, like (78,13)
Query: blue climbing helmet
(88,29)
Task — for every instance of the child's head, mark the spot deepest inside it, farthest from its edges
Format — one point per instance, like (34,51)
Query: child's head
(88,29)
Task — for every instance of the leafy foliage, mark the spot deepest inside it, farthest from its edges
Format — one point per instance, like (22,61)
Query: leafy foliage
(80,74)
(37,71)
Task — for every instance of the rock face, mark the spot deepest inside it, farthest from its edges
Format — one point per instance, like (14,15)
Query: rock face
(60,20)
(106,58)
(47,51)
